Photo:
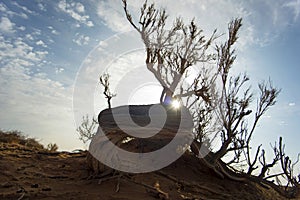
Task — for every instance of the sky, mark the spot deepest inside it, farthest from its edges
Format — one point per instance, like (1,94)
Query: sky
(52,53)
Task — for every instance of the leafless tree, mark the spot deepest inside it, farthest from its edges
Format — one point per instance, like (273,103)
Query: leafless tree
(104,81)
(233,111)
(288,169)
(219,101)
(86,130)
(170,53)
(267,98)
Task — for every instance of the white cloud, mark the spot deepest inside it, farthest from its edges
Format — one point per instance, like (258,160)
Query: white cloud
(111,13)
(41,43)
(204,11)
(42,7)
(23,15)
(292,104)
(37,105)
(2,8)
(295,5)
(29,37)
(81,39)
(16,52)
(6,12)
(59,70)
(283,123)
(22,28)
(6,25)
(76,11)
(41,54)
(79,7)
(53,31)
(263,22)
(24,8)
(36,31)
(31,100)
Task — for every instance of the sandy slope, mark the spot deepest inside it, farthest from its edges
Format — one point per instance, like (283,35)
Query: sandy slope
(29,174)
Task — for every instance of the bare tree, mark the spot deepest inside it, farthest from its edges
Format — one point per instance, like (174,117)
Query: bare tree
(170,53)
(220,102)
(292,180)
(104,81)
(267,98)
(233,111)
(87,129)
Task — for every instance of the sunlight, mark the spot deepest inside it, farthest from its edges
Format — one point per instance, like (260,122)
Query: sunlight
(148,93)
(176,104)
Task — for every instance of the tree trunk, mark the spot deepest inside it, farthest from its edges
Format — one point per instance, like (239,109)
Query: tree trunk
(94,165)
(166,96)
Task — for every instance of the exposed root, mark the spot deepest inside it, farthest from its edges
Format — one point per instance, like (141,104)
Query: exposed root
(106,173)
(230,174)
(110,176)
(190,185)
(107,178)
(118,183)
(21,197)
(156,191)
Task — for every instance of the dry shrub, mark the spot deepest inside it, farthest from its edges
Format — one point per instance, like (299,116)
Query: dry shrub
(17,137)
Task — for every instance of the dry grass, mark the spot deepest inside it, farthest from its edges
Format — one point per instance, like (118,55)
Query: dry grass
(18,138)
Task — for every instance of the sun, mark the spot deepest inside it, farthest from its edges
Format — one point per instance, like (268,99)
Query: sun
(176,104)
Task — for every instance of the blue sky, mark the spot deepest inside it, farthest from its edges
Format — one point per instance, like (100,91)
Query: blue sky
(45,44)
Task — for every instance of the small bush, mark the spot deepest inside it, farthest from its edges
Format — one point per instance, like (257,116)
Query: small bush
(12,137)
(32,143)
(52,147)
(17,137)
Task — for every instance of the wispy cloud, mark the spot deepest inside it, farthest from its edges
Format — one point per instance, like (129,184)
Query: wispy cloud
(8,13)
(76,11)
(112,14)
(39,111)
(19,53)
(203,11)
(35,98)
(24,8)
(263,22)
(32,101)
(283,123)
(295,6)
(53,31)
